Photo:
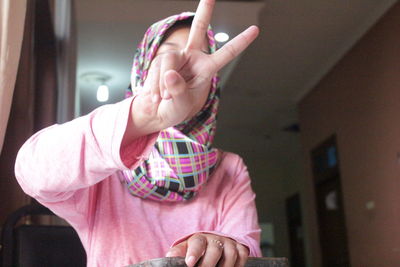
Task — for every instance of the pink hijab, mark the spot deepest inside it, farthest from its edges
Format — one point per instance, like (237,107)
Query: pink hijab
(182,158)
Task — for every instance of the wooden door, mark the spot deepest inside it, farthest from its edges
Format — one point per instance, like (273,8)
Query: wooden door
(330,206)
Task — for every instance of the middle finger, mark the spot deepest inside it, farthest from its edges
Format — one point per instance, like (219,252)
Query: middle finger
(234,47)
(229,255)
(213,253)
(200,24)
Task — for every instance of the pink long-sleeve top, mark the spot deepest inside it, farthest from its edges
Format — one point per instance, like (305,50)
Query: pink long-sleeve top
(73,169)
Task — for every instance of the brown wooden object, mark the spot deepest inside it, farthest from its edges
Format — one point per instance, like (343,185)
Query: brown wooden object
(180,262)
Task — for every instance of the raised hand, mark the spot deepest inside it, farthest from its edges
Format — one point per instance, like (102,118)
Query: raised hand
(180,76)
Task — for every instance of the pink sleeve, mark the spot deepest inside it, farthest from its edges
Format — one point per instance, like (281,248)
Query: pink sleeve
(239,220)
(61,160)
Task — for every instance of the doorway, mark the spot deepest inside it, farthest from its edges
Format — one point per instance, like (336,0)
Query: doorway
(329,205)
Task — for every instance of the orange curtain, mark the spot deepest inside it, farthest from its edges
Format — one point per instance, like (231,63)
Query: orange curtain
(12,18)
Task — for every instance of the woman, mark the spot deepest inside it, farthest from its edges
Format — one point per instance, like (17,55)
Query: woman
(139,179)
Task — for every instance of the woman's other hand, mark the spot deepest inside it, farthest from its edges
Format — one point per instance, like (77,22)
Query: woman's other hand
(210,250)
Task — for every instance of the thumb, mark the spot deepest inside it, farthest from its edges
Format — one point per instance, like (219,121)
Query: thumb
(178,250)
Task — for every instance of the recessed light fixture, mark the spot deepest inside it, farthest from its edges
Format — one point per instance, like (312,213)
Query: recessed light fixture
(103,93)
(99,79)
(221,37)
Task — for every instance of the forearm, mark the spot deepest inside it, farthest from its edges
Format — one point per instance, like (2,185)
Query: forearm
(61,159)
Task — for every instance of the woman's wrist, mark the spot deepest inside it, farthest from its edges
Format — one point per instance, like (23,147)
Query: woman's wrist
(140,122)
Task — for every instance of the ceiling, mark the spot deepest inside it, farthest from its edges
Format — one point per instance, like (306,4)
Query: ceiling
(299,42)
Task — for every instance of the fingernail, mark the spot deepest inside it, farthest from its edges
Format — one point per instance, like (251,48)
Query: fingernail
(154,98)
(191,261)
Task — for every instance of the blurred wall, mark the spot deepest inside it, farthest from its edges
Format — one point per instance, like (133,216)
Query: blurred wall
(359,100)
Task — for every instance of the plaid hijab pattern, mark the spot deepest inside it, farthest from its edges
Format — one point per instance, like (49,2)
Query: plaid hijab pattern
(182,158)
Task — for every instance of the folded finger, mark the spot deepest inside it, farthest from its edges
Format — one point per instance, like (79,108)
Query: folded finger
(169,61)
(197,245)
(242,255)
(181,99)
(234,47)
(229,255)
(213,253)
(200,24)
(152,81)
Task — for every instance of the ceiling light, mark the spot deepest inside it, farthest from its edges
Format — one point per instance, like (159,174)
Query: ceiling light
(102,93)
(95,78)
(221,37)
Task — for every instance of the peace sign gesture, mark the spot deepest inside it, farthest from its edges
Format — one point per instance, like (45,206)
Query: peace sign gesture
(229,51)
(179,77)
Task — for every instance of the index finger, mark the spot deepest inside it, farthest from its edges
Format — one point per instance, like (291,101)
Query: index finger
(200,24)
(234,47)
(196,247)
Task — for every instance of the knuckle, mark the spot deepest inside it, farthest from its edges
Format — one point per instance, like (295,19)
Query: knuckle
(214,247)
(198,238)
(230,253)
(169,56)
(201,25)
(209,3)
(231,51)
(244,38)
(196,235)
(242,252)
(156,62)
